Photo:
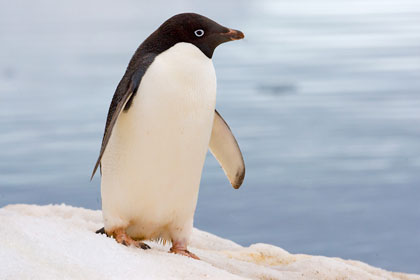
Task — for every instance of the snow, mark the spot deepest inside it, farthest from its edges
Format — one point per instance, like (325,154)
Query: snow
(58,242)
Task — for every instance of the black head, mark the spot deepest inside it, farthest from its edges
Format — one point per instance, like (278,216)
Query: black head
(192,28)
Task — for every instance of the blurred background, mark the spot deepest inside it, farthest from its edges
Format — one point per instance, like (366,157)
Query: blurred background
(322,95)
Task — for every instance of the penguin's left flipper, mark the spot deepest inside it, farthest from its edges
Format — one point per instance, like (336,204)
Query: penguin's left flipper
(226,150)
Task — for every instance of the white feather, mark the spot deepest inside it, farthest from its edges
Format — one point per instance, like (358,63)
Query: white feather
(152,166)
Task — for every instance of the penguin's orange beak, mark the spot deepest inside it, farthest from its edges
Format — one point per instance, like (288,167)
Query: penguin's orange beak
(232,35)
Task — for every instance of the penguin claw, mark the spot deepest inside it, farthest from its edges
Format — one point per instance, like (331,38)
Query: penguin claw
(101,231)
(130,242)
(144,246)
(134,243)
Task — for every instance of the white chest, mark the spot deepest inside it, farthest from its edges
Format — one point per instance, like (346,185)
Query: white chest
(181,81)
(175,101)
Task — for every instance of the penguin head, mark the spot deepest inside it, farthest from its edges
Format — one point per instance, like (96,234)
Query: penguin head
(198,30)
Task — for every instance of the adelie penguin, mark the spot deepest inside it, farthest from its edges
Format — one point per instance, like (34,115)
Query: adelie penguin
(160,124)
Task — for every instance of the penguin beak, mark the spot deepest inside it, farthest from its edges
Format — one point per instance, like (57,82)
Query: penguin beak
(233,35)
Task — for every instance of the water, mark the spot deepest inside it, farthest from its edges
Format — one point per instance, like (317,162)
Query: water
(323,97)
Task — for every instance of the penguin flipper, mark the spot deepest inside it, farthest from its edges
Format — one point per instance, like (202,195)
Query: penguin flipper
(124,94)
(226,150)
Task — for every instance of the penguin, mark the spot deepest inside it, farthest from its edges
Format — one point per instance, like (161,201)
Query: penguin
(160,125)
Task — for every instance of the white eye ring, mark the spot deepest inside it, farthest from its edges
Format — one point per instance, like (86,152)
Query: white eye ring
(199,32)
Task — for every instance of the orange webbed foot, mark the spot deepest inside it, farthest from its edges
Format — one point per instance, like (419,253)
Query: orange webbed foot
(123,238)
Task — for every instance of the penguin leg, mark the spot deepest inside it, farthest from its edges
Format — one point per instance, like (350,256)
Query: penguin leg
(180,247)
(123,238)
(180,232)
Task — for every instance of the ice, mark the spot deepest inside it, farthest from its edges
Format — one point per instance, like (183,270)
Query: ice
(59,242)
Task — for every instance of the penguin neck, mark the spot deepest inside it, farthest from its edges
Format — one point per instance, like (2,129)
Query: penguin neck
(187,52)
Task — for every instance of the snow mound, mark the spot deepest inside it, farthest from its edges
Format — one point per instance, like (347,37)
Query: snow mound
(59,242)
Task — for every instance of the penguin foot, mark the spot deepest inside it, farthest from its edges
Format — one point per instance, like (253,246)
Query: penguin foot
(182,250)
(184,253)
(121,237)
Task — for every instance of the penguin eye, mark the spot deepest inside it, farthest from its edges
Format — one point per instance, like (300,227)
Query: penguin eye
(199,32)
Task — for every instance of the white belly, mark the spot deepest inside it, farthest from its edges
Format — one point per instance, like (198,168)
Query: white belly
(152,165)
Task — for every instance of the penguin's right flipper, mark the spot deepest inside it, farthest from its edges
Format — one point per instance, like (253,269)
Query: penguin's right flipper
(226,150)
